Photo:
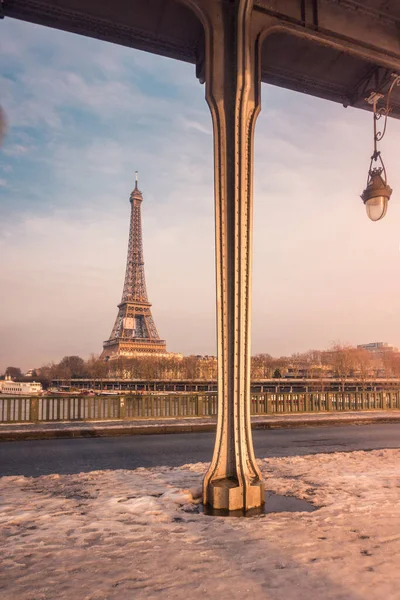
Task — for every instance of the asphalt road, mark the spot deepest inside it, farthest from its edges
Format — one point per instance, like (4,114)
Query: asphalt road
(42,457)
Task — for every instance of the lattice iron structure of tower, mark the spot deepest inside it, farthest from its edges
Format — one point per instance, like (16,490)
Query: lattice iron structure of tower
(134,332)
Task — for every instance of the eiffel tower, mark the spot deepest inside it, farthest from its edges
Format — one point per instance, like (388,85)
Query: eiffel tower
(134,332)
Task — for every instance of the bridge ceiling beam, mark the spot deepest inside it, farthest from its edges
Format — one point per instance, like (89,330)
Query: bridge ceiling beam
(325,48)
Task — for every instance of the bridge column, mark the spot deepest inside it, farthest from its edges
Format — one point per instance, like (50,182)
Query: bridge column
(233,481)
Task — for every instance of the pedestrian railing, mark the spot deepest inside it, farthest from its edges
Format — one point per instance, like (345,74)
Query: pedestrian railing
(23,409)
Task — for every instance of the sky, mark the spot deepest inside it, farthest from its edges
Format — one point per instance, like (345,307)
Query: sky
(83,115)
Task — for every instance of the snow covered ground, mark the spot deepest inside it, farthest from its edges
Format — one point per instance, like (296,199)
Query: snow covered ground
(109,535)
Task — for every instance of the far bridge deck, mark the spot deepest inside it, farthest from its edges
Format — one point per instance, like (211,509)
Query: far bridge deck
(277,386)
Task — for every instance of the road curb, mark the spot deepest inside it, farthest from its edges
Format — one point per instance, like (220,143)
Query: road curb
(169,428)
(324,423)
(51,434)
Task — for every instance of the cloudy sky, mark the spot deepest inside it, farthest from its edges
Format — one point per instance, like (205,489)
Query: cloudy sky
(84,115)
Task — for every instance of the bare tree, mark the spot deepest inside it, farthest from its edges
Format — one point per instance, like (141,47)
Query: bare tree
(190,367)
(391,363)
(96,368)
(343,361)
(261,366)
(363,364)
(295,363)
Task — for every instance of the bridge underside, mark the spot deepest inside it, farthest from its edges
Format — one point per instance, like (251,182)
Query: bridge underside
(334,49)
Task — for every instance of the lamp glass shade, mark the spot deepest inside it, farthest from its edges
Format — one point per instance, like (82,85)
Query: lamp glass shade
(376,207)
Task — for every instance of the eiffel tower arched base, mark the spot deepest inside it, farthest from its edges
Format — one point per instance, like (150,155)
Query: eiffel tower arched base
(131,348)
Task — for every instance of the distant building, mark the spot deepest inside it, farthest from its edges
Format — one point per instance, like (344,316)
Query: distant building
(378,347)
(30,373)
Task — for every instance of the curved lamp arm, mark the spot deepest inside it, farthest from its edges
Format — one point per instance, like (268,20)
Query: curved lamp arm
(384,112)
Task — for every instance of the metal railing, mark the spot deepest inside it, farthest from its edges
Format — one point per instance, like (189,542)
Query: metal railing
(23,409)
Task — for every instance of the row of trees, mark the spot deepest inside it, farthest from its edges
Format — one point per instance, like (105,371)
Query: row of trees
(145,367)
(342,361)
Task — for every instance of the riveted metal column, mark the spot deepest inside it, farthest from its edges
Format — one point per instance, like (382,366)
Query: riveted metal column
(233,481)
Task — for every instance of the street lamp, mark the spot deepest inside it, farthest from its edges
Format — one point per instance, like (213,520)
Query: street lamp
(377,193)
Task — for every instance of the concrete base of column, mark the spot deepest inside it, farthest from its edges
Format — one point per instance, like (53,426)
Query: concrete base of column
(227,494)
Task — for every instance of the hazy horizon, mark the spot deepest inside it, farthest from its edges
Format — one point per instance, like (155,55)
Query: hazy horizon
(84,115)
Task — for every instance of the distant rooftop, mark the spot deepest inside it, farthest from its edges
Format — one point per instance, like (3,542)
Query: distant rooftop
(378,347)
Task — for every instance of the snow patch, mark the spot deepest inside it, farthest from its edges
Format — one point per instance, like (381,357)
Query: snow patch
(118,535)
